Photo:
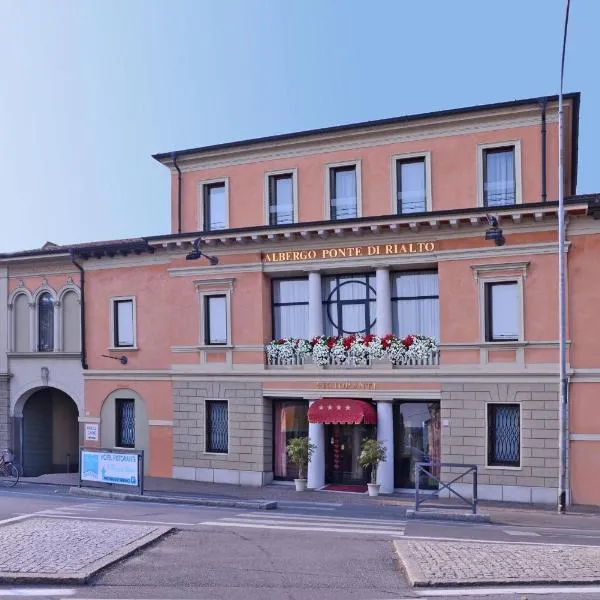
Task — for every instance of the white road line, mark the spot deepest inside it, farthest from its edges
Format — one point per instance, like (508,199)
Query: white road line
(37,592)
(427,538)
(19,518)
(521,533)
(275,521)
(391,532)
(82,518)
(302,517)
(506,591)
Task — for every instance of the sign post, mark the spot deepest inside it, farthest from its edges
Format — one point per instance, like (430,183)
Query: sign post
(99,467)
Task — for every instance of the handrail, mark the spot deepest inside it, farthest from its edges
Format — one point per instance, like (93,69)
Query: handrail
(426,468)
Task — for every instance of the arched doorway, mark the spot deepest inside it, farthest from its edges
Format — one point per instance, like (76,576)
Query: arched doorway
(50,433)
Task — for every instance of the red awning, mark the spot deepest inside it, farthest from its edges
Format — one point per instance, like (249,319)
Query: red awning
(342,411)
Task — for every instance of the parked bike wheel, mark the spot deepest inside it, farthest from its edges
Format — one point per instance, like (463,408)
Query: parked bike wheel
(9,475)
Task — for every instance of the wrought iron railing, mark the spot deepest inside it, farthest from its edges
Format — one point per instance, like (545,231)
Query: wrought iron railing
(430,468)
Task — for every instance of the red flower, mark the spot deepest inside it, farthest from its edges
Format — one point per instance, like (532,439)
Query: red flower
(407,341)
(281,341)
(331,342)
(348,341)
(367,339)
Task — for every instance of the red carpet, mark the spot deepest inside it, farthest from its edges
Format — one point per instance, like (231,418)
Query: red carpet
(357,489)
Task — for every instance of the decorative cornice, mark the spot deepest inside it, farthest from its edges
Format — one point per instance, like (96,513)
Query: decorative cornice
(491,268)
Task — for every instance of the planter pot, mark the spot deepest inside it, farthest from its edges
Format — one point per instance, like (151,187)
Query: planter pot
(300,485)
(373,489)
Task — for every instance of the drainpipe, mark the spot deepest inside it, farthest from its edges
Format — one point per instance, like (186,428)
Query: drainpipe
(178,192)
(84,364)
(543,104)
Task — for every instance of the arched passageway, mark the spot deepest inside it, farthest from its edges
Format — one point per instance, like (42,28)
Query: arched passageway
(50,433)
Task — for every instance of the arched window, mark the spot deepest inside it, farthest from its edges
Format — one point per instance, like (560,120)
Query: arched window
(21,309)
(71,332)
(45,323)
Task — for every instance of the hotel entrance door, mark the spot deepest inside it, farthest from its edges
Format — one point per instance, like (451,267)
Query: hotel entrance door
(343,446)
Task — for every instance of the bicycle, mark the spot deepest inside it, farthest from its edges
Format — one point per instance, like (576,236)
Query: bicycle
(9,474)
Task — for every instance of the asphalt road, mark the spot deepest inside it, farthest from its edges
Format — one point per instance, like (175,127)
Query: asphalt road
(302,550)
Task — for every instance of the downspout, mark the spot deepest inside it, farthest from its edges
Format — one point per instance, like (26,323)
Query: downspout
(84,364)
(543,104)
(178,192)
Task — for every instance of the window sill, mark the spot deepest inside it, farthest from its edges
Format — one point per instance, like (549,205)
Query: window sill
(215,347)
(216,453)
(123,349)
(45,355)
(504,468)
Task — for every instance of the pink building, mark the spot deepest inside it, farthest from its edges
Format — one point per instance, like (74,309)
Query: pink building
(362,250)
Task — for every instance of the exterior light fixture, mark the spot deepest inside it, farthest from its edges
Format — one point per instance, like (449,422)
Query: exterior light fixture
(494,232)
(122,359)
(196,253)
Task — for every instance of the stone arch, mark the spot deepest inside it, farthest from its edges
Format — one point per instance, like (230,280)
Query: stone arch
(46,431)
(109,425)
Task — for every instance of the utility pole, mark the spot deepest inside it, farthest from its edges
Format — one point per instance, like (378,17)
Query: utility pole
(563,411)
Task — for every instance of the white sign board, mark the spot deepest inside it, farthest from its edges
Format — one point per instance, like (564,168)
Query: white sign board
(91,432)
(109,467)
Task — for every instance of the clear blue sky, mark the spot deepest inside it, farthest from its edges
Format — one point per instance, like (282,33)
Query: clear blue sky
(90,89)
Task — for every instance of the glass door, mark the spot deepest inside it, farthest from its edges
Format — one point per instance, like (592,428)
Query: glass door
(417,438)
(343,447)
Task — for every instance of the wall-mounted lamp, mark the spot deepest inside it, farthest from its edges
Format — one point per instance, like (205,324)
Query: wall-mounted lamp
(494,232)
(121,359)
(196,253)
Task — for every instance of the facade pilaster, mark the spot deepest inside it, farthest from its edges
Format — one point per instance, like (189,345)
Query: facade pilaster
(383,302)
(316,465)
(315,313)
(385,434)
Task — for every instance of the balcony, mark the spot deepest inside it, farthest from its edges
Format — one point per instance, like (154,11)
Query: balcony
(354,352)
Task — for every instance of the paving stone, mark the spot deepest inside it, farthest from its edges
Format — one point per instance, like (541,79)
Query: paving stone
(432,563)
(66,547)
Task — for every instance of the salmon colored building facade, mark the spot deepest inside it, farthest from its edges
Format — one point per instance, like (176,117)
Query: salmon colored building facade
(336,283)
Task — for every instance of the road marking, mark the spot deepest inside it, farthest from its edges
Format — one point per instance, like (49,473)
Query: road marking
(521,533)
(480,541)
(317,518)
(302,528)
(82,518)
(19,518)
(506,591)
(36,592)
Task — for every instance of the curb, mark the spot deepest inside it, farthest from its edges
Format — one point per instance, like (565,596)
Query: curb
(440,515)
(83,576)
(216,502)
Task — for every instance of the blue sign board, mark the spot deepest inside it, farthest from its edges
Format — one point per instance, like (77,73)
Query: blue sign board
(120,468)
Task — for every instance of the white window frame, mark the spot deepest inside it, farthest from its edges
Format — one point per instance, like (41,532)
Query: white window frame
(112,332)
(207,452)
(327,179)
(516,144)
(294,173)
(487,439)
(221,287)
(200,202)
(394,180)
(483,304)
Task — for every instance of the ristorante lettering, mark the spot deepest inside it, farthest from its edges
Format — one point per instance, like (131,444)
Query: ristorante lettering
(350,252)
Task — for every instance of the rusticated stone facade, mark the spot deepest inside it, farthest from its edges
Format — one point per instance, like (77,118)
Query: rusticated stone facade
(248,460)
(465,439)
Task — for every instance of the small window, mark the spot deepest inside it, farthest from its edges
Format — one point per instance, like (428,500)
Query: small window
(499,186)
(281,199)
(290,308)
(125,422)
(502,311)
(45,323)
(123,324)
(215,315)
(343,192)
(410,178)
(217,426)
(504,435)
(215,206)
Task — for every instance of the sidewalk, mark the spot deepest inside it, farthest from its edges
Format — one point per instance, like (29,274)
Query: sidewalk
(501,513)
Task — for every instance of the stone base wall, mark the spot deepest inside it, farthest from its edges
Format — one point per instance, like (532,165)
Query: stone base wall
(465,438)
(249,459)
(5,437)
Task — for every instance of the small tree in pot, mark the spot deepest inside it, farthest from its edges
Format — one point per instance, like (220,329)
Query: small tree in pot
(373,452)
(300,451)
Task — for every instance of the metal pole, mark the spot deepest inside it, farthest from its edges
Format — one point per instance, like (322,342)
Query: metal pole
(563,414)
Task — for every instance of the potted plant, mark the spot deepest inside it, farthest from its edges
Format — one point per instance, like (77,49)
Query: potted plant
(300,451)
(372,453)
